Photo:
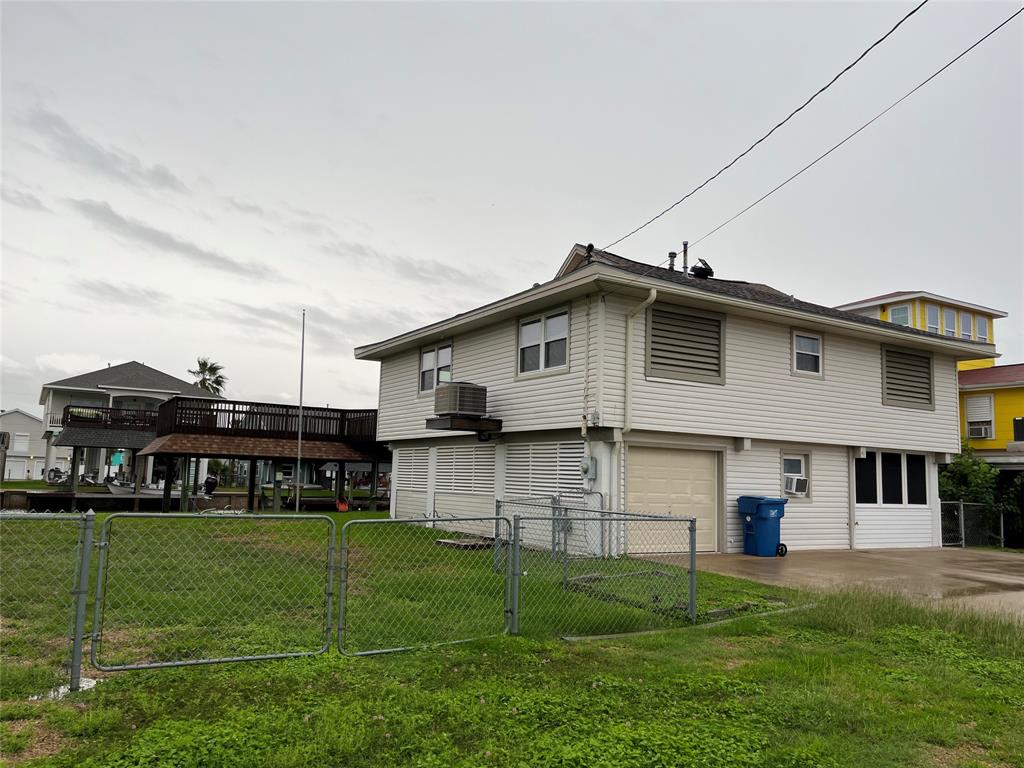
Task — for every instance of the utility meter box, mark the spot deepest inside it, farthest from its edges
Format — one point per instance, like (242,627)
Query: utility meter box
(588,468)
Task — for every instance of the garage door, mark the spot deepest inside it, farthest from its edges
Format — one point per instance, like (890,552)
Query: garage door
(667,481)
(16,469)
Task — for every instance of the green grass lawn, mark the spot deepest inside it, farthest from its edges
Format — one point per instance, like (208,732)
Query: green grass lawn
(855,680)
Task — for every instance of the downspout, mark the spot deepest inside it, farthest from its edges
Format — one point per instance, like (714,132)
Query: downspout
(627,410)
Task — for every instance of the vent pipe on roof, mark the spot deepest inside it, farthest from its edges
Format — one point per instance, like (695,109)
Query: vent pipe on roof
(590,252)
(672,261)
(686,266)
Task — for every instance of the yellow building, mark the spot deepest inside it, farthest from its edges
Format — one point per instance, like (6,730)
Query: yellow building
(936,314)
(992,413)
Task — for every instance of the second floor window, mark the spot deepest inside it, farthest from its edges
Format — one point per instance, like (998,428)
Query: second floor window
(949,321)
(544,342)
(435,366)
(806,353)
(966,325)
(979,416)
(982,328)
(900,315)
(932,315)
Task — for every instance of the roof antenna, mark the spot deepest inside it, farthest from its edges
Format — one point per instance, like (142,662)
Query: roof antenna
(686,265)
(590,252)
(671,261)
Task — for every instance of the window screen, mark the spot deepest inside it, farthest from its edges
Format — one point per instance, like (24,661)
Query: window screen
(867,479)
(892,478)
(917,481)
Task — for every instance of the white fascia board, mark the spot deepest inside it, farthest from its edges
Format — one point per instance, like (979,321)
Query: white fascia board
(119,388)
(23,413)
(933,297)
(577,283)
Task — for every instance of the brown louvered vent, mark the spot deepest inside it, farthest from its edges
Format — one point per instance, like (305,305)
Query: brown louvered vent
(906,379)
(685,344)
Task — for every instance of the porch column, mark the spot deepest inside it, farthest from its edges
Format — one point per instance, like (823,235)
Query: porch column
(150,461)
(185,483)
(252,486)
(101,465)
(339,483)
(195,477)
(204,468)
(51,456)
(168,482)
(74,477)
(374,474)
(138,469)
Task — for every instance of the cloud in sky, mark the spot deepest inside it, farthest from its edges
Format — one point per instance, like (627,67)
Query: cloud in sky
(22,199)
(425,270)
(72,146)
(102,215)
(245,207)
(110,294)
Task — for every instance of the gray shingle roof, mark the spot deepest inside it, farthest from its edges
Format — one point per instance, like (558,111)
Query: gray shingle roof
(133,375)
(94,437)
(758,292)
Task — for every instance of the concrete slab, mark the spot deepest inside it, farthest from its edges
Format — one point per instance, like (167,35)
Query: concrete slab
(982,579)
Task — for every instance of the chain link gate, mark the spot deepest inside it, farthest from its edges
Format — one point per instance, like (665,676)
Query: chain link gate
(185,589)
(408,583)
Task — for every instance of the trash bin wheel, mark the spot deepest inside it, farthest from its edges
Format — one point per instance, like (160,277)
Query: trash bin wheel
(781,550)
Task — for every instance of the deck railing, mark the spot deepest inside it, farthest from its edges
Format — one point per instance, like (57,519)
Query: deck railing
(109,418)
(240,418)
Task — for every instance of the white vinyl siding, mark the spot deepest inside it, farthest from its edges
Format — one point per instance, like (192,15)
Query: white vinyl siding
(546,400)
(19,443)
(542,469)
(761,398)
(685,344)
(906,378)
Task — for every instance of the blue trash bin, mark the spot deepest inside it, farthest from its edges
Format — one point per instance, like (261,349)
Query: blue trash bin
(761,525)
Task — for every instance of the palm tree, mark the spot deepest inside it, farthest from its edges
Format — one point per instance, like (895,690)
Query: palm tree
(208,376)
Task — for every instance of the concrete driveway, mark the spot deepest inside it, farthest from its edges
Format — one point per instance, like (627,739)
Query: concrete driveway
(984,579)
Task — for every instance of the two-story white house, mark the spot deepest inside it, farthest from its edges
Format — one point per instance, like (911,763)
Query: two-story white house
(661,392)
(26,457)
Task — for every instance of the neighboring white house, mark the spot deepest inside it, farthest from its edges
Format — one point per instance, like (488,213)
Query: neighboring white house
(26,458)
(686,393)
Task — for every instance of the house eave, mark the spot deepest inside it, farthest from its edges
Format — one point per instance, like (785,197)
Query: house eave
(911,295)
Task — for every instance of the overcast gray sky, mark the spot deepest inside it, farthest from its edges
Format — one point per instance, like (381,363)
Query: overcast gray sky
(181,179)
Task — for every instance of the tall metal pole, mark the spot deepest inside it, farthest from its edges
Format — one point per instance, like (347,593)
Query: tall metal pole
(302,367)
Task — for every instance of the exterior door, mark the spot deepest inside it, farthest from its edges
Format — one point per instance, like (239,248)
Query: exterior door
(16,469)
(669,481)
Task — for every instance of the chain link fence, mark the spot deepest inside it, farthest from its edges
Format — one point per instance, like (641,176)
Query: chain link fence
(966,524)
(411,583)
(580,572)
(181,589)
(41,589)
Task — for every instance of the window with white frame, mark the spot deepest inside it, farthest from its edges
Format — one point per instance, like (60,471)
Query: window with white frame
(544,342)
(807,353)
(966,325)
(891,478)
(949,321)
(435,366)
(932,318)
(979,416)
(796,474)
(900,315)
(982,329)
(20,444)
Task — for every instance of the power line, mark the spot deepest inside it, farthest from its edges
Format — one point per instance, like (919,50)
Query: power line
(822,156)
(778,125)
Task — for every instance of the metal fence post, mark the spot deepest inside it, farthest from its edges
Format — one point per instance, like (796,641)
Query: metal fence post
(514,574)
(963,538)
(498,543)
(81,597)
(1002,531)
(693,570)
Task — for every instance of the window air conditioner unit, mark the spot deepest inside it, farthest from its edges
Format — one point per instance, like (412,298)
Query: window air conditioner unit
(979,431)
(460,399)
(796,485)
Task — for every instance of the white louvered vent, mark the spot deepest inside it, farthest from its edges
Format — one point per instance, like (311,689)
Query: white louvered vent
(684,344)
(465,469)
(907,379)
(542,469)
(413,466)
